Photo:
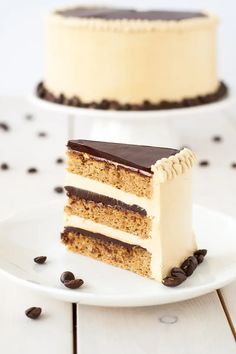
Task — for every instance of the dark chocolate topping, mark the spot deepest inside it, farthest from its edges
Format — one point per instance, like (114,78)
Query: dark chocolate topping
(129,14)
(99,198)
(98,236)
(137,156)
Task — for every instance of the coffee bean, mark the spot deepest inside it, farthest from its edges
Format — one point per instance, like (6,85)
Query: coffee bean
(58,189)
(179,273)
(200,258)
(4,127)
(4,166)
(29,116)
(204,163)
(172,281)
(33,312)
(74,284)
(201,251)
(217,138)
(32,170)
(67,276)
(59,160)
(233,164)
(42,134)
(189,265)
(40,259)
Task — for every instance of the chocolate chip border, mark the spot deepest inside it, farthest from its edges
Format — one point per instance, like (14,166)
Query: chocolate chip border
(146,105)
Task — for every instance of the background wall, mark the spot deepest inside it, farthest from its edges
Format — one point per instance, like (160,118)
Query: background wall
(21,36)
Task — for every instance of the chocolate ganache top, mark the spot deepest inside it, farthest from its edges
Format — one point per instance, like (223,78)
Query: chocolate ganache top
(136,156)
(129,14)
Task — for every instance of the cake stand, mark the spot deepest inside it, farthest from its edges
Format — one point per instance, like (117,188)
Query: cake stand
(137,127)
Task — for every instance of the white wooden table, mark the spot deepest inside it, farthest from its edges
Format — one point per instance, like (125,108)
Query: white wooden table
(203,325)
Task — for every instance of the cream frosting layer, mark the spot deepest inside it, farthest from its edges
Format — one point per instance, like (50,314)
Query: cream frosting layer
(86,224)
(148,60)
(94,186)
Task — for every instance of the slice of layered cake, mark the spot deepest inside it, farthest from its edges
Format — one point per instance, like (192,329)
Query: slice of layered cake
(130,205)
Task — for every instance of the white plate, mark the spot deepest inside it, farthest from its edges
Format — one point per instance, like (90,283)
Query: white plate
(36,232)
(132,115)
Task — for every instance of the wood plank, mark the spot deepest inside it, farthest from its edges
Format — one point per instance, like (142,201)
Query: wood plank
(194,326)
(51,333)
(21,148)
(228,301)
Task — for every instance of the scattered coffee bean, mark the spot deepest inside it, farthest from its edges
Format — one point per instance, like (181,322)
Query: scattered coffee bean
(233,164)
(40,259)
(33,312)
(58,189)
(179,273)
(217,138)
(200,252)
(42,134)
(172,281)
(29,116)
(204,163)
(4,127)
(189,265)
(74,284)
(32,170)
(59,160)
(67,276)
(4,166)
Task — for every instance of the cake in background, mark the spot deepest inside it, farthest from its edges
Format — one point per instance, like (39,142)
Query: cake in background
(130,60)
(131,206)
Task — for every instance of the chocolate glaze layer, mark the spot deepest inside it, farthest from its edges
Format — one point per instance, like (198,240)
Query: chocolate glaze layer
(98,236)
(146,105)
(128,14)
(139,157)
(99,198)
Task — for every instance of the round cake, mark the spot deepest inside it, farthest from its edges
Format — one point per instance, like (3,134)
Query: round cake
(130,60)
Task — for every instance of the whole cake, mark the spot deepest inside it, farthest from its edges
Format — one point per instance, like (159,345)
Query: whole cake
(130,60)
(130,206)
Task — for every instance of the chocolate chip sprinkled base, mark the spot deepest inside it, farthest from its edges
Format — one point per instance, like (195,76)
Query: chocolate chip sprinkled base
(146,105)
(33,312)
(179,274)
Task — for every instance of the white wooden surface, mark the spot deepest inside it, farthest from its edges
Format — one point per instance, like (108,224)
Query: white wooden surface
(195,326)
(202,325)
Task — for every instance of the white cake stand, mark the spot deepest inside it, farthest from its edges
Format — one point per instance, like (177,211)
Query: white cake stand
(142,127)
